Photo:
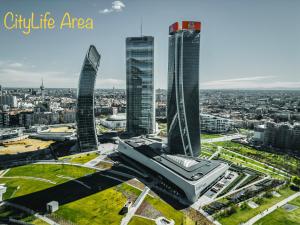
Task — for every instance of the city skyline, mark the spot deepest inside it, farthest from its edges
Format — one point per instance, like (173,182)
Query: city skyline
(240,50)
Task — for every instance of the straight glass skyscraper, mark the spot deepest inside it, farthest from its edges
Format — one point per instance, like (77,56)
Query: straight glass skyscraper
(140,85)
(183,89)
(86,129)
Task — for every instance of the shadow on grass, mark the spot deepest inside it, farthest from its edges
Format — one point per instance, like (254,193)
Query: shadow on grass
(69,191)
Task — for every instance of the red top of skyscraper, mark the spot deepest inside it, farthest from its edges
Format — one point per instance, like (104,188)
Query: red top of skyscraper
(185,25)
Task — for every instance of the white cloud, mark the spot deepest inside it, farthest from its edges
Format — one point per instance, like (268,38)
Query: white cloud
(255,82)
(117,6)
(15,75)
(15,65)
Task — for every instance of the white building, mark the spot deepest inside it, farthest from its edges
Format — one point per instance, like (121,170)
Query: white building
(192,175)
(114,121)
(215,124)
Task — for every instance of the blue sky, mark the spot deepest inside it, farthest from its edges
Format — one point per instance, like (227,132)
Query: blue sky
(244,43)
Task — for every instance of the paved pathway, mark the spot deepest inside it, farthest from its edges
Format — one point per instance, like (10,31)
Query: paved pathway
(271,209)
(95,161)
(3,172)
(135,206)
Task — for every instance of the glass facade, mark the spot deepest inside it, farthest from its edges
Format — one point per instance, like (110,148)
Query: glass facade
(140,85)
(183,92)
(86,129)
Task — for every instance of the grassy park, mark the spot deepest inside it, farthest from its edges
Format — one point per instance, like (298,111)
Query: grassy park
(282,217)
(281,161)
(136,220)
(80,158)
(209,136)
(244,214)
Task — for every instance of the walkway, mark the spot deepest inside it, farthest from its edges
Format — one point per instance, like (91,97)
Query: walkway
(271,209)
(135,206)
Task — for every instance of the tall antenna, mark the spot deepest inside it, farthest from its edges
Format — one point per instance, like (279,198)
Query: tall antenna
(141,26)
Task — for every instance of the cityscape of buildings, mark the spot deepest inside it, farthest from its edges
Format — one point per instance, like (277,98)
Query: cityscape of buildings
(140,155)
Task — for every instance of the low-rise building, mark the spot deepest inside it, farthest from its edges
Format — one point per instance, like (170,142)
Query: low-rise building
(215,124)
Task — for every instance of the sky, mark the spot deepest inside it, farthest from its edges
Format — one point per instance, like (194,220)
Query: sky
(245,44)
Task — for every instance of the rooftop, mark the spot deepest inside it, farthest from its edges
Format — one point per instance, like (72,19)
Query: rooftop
(191,168)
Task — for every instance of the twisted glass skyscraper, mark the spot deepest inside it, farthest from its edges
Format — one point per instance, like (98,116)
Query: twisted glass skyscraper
(86,129)
(140,85)
(183,89)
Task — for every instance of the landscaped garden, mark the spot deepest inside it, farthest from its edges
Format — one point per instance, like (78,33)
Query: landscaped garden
(238,215)
(283,217)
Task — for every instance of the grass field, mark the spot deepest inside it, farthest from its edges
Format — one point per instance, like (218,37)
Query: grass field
(209,136)
(49,171)
(243,215)
(100,208)
(25,145)
(80,158)
(19,186)
(282,217)
(136,220)
(168,211)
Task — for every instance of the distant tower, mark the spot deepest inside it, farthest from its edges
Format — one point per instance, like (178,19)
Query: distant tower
(42,88)
(140,85)
(183,89)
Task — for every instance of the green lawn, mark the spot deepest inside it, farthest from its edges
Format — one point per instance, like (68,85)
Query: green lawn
(25,186)
(136,220)
(20,186)
(84,158)
(100,208)
(49,171)
(282,217)
(167,211)
(209,136)
(242,216)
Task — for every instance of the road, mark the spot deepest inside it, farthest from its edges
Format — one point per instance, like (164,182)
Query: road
(271,209)
(135,206)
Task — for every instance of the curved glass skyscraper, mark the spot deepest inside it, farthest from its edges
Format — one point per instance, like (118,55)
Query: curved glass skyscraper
(140,85)
(183,89)
(86,129)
